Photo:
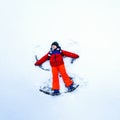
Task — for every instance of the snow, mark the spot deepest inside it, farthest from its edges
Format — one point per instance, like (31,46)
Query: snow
(89,28)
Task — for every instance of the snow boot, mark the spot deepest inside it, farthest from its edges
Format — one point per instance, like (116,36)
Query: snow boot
(55,92)
(71,88)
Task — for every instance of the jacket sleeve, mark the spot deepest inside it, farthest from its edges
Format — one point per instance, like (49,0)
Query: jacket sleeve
(70,54)
(42,60)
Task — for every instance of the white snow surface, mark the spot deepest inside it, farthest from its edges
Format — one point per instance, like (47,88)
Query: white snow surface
(88,28)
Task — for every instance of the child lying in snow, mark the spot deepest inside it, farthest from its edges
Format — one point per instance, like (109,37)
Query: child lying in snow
(55,56)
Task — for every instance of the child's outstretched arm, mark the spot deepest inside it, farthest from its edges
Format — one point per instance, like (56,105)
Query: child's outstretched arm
(70,54)
(42,60)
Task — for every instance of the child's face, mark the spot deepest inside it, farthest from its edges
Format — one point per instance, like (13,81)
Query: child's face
(54,47)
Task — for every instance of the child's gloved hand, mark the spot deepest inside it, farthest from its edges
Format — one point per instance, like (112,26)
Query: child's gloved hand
(72,60)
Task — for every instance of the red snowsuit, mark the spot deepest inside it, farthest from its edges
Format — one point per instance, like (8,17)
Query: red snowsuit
(57,65)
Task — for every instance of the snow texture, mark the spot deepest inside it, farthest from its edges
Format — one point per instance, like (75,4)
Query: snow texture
(88,28)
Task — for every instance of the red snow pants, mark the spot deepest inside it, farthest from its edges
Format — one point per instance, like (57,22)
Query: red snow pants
(55,74)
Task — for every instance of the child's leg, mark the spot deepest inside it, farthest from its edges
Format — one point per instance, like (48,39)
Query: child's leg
(55,82)
(65,76)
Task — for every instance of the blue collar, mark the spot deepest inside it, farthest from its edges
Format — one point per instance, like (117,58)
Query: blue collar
(55,51)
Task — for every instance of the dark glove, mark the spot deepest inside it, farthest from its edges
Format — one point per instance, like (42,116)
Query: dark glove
(72,60)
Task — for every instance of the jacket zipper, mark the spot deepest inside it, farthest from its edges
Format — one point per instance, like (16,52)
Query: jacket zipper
(55,60)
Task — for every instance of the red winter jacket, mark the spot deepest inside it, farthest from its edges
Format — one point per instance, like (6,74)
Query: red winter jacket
(56,59)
